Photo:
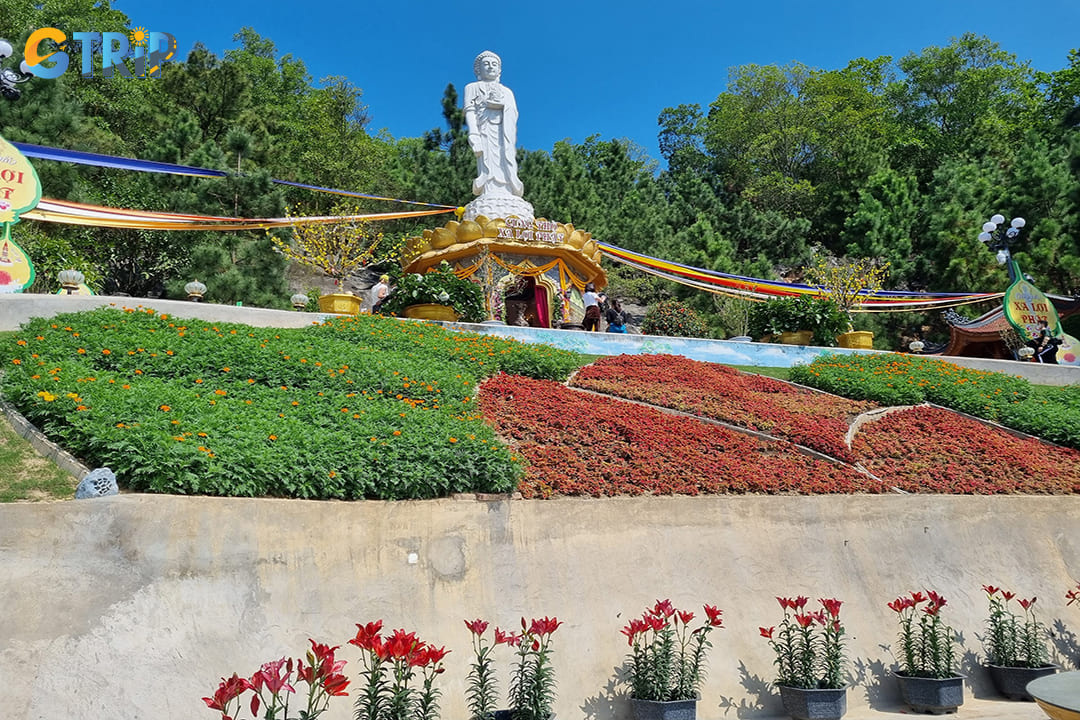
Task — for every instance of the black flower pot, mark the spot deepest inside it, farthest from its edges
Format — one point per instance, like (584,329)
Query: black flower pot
(664,709)
(1012,681)
(931,695)
(518,715)
(804,704)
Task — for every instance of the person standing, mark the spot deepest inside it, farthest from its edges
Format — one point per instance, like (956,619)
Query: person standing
(1046,351)
(379,292)
(592,300)
(616,318)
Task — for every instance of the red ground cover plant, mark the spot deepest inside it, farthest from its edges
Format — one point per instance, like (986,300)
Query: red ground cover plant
(927,449)
(719,392)
(581,444)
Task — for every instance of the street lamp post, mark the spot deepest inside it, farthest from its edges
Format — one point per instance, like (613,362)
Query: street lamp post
(10,78)
(999,239)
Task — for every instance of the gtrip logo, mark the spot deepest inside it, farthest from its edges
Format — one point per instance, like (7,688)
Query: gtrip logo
(146,51)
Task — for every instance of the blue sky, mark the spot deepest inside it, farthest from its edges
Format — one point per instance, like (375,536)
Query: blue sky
(582,68)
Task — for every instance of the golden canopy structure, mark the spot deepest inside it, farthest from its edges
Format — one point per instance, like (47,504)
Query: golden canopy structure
(533,271)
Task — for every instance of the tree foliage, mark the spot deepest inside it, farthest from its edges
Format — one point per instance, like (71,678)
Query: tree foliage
(898,159)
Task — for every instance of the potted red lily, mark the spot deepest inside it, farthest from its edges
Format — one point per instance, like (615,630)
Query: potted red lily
(532,681)
(927,676)
(272,687)
(667,661)
(810,659)
(1015,644)
(390,667)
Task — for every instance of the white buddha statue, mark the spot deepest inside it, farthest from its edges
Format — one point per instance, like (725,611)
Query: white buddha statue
(491,117)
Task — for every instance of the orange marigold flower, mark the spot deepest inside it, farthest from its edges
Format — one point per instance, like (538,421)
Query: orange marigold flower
(81,351)
(106,351)
(16,361)
(273,437)
(221,392)
(453,439)
(165,408)
(397,432)
(226,369)
(21,342)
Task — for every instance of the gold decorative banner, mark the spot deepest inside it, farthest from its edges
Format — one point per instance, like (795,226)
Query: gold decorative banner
(20,188)
(1025,306)
(16,270)
(20,191)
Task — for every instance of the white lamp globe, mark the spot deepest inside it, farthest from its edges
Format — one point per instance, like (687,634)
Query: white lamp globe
(1018,222)
(985,237)
(989,227)
(997,219)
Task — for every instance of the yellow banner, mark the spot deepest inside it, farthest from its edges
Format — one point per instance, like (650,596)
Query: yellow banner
(20,188)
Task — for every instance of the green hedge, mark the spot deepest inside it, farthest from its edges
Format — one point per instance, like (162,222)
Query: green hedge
(1052,413)
(365,407)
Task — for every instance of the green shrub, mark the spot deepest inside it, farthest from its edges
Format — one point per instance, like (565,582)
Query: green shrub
(1051,413)
(366,407)
(440,286)
(803,312)
(673,318)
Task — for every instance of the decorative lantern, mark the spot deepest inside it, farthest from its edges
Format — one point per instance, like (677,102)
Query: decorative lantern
(916,346)
(70,280)
(299,301)
(195,290)
(1025,352)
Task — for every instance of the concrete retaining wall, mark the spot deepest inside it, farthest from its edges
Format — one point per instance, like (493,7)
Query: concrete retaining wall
(15,309)
(132,607)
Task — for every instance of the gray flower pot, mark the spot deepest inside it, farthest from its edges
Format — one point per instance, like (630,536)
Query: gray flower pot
(931,695)
(803,704)
(664,709)
(1012,681)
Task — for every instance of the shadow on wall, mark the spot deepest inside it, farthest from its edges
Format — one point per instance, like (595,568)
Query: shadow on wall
(1064,648)
(871,674)
(971,665)
(609,702)
(761,698)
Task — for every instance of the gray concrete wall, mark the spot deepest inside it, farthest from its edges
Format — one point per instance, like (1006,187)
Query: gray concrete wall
(133,607)
(16,309)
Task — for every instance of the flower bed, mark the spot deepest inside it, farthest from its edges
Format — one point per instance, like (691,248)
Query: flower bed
(1052,413)
(368,407)
(579,444)
(926,449)
(716,391)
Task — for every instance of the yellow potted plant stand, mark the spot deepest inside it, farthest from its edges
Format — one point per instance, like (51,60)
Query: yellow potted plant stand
(798,337)
(342,303)
(431,311)
(862,339)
